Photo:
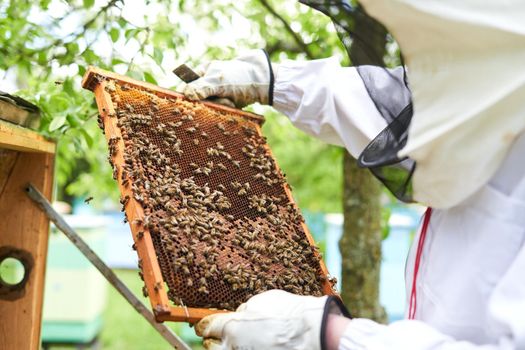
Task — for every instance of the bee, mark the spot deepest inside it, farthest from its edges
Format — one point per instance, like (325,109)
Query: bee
(88,200)
(191,129)
(221,166)
(248,131)
(204,134)
(237,164)
(124,200)
(196,142)
(110,86)
(212,152)
(221,127)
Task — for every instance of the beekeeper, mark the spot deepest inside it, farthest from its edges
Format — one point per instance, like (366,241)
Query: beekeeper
(454,142)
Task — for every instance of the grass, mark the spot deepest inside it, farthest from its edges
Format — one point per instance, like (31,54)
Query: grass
(125,329)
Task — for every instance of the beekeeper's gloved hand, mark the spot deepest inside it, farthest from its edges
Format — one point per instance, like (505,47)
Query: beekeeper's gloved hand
(273,320)
(244,80)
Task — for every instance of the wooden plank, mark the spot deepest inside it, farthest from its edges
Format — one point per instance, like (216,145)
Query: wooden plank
(18,111)
(21,139)
(7,162)
(25,228)
(190,314)
(93,75)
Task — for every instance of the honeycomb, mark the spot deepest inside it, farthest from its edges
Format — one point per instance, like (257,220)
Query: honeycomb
(223,225)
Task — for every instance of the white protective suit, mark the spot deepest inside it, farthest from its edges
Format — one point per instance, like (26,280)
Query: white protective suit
(465,68)
(471,281)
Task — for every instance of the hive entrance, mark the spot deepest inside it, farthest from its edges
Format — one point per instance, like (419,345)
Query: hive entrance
(212,216)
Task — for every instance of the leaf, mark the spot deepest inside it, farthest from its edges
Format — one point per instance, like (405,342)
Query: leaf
(88,3)
(158,55)
(72,48)
(57,122)
(87,137)
(114,33)
(44,4)
(42,57)
(135,75)
(73,121)
(116,61)
(90,56)
(130,33)
(149,78)
(81,70)
(68,86)
(122,22)
(58,103)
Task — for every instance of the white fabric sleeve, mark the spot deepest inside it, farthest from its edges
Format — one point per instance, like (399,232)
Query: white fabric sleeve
(506,320)
(327,101)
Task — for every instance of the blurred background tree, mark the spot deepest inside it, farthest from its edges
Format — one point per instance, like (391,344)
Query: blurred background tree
(46,46)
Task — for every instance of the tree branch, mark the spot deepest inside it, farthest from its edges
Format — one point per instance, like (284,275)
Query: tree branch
(297,38)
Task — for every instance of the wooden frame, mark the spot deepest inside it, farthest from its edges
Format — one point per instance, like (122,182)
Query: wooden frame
(25,156)
(96,80)
(21,139)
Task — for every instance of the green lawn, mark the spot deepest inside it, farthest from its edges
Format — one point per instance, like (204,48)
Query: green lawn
(125,329)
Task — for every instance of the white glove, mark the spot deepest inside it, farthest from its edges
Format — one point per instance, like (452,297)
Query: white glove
(244,80)
(273,320)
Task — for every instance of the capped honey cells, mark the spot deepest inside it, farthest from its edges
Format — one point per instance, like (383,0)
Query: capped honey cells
(222,221)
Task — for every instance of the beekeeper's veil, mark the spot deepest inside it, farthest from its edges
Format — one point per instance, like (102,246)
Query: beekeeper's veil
(466,71)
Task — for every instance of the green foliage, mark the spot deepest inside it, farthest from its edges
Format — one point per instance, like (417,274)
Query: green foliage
(48,41)
(313,168)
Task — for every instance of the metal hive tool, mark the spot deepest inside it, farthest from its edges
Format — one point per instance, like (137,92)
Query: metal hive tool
(211,214)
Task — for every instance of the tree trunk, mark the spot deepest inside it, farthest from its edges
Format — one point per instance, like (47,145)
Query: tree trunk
(360,244)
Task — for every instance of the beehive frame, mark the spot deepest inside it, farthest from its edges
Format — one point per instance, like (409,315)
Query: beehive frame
(96,80)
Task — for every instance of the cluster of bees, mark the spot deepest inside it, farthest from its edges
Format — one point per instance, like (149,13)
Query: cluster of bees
(214,202)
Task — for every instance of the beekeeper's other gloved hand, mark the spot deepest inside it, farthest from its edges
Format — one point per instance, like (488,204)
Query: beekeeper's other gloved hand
(273,320)
(244,80)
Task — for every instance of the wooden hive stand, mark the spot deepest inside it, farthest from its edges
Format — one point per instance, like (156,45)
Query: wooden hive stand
(25,157)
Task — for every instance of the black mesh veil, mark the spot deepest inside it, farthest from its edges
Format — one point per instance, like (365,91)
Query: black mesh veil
(389,91)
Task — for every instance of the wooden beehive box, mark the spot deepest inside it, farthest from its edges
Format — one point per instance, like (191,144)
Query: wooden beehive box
(25,157)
